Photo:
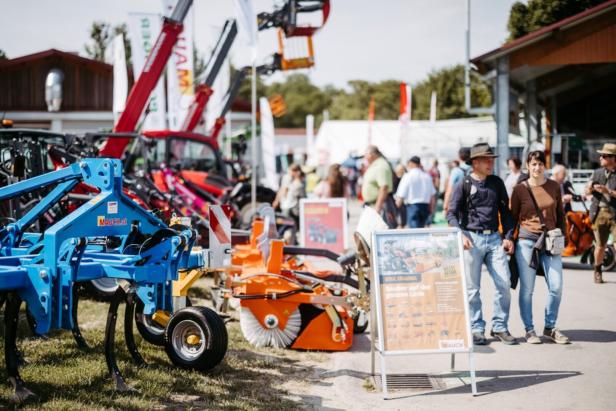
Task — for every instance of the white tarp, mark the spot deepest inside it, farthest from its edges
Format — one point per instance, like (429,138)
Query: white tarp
(442,139)
(268,145)
(180,75)
(144,29)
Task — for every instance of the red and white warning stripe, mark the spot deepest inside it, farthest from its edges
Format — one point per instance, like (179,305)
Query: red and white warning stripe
(220,236)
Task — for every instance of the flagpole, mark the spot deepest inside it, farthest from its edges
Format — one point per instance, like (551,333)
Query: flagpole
(253,146)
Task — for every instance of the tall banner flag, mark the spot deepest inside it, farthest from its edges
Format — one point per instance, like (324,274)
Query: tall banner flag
(371,108)
(247,22)
(309,134)
(406,103)
(268,145)
(217,99)
(433,107)
(144,29)
(180,75)
(120,77)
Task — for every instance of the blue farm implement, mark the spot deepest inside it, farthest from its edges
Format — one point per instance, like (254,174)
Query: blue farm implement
(109,236)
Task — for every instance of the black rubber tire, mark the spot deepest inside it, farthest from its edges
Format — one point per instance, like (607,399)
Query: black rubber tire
(149,329)
(213,329)
(99,291)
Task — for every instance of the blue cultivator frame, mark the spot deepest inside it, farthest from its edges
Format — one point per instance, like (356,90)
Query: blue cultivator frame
(43,269)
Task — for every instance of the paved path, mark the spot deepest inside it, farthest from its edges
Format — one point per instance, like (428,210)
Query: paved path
(579,376)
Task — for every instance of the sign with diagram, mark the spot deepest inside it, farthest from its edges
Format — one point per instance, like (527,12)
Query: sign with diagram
(420,291)
(323,223)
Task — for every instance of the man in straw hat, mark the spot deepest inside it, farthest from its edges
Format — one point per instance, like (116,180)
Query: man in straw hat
(476,204)
(602,187)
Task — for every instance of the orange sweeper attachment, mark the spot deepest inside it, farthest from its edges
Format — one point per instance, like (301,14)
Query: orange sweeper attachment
(283,307)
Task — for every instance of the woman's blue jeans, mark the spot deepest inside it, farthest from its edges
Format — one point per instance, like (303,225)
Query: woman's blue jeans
(553,269)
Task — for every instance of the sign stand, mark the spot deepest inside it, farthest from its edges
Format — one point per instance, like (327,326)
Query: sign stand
(419,273)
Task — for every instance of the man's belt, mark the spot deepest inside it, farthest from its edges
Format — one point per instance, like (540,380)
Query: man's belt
(484,232)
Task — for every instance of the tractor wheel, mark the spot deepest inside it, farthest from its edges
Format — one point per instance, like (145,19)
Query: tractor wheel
(149,329)
(101,289)
(196,339)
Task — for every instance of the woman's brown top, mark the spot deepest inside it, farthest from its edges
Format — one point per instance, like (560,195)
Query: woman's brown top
(548,199)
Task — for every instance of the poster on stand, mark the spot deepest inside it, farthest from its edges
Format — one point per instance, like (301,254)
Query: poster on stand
(323,224)
(420,290)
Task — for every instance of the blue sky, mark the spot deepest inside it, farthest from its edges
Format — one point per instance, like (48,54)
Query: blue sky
(364,39)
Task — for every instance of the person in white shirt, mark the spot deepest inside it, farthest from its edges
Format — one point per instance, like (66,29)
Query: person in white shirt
(515,169)
(416,190)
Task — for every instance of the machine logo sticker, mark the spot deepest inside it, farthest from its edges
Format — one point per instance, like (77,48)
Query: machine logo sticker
(110,222)
(112,207)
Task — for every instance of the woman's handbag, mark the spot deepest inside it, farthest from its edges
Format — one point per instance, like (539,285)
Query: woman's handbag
(552,241)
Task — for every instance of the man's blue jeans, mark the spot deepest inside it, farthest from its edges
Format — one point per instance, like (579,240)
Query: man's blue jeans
(553,269)
(417,215)
(487,249)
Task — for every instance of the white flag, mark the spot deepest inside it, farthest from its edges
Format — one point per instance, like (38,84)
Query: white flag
(216,101)
(268,144)
(433,107)
(144,29)
(247,22)
(180,75)
(120,77)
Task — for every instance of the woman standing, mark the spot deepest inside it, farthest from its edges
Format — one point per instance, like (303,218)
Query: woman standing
(538,193)
(333,186)
(292,189)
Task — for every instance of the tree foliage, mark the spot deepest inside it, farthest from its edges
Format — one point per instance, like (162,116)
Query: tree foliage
(302,97)
(448,83)
(3,55)
(526,18)
(101,36)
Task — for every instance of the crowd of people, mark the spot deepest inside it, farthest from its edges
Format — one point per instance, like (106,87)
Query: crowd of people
(515,226)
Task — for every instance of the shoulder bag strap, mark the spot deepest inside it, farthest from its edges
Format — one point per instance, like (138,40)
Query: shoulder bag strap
(539,213)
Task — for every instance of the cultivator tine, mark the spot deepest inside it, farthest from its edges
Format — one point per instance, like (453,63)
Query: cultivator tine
(11,356)
(129,336)
(81,342)
(112,365)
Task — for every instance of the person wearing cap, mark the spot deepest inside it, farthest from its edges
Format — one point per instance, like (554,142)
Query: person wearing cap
(602,187)
(416,191)
(477,204)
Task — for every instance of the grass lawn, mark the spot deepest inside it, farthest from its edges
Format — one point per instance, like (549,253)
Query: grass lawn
(66,378)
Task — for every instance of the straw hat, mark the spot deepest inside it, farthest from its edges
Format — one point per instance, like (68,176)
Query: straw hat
(609,149)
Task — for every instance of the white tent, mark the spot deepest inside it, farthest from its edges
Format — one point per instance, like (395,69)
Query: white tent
(337,139)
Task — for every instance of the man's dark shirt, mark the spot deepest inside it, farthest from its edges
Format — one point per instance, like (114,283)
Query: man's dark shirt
(481,212)
(602,176)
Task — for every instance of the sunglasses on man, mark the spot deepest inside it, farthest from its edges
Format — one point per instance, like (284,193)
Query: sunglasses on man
(606,155)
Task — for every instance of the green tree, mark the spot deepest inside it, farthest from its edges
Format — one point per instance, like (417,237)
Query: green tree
(526,18)
(3,55)
(448,83)
(101,35)
(354,105)
(301,98)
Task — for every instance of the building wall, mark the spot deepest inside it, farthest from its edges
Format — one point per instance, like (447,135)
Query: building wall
(86,87)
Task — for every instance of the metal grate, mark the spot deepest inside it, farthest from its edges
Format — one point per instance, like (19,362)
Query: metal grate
(411,382)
